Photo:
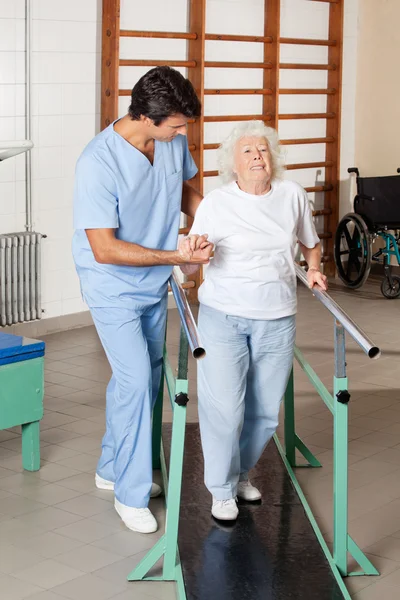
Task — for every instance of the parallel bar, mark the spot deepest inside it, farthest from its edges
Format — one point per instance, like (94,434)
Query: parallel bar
(307,42)
(289,117)
(221,118)
(210,173)
(238,38)
(125,62)
(315,165)
(307,67)
(356,333)
(211,146)
(307,91)
(158,34)
(237,65)
(237,91)
(186,317)
(325,236)
(296,142)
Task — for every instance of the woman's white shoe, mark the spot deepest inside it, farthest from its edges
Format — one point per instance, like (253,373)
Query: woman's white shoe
(247,491)
(225,510)
(136,519)
(104,484)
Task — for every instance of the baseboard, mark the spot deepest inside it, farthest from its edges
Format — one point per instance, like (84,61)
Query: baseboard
(42,327)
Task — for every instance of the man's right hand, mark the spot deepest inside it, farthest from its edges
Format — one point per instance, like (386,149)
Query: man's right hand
(194,249)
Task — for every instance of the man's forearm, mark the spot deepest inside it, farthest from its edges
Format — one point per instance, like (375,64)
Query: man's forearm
(125,253)
(191,199)
(312,255)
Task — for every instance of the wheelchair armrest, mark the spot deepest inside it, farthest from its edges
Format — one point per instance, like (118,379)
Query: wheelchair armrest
(354,170)
(365,197)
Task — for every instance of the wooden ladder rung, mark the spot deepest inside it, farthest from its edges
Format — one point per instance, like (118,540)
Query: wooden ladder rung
(328,91)
(158,34)
(307,42)
(319,188)
(222,37)
(127,62)
(221,118)
(308,66)
(310,165)
(237,91)
(295,142)
(288,117)
(237,65)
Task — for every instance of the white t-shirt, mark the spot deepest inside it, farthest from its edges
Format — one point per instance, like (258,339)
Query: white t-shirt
(252,273)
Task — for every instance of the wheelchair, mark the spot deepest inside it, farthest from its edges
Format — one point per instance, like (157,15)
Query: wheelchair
(376,214)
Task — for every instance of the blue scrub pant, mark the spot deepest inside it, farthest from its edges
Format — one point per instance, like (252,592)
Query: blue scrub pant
(133,342)
(241,382)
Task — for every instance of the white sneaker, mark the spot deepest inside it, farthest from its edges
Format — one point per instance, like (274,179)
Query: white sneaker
(225,510)
(248,492)
(104,484)
(136,519)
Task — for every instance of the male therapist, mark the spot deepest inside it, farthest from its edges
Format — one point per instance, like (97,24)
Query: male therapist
(130,188)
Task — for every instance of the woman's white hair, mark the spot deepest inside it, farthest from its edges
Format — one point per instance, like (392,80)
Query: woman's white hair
(226,151)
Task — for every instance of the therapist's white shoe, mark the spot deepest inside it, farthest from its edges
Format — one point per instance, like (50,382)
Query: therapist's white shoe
(247,491)
(225,510)
(136,519)
(104,484)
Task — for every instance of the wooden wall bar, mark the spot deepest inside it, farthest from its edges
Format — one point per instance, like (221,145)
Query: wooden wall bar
(109,62)
(271,55)
(195,63)
(196,52)
(333,127)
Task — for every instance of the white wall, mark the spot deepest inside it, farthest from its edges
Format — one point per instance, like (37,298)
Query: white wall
(66,71)
(66,45)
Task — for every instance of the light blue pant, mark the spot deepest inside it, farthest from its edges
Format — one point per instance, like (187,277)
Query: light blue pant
(133,342)
(241,382)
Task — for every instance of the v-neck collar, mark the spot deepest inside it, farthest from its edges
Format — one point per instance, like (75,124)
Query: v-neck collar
(151,165)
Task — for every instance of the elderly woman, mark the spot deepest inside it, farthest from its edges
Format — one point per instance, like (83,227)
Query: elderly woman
(247,307)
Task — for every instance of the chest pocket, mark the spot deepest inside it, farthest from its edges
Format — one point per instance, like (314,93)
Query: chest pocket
(174,186)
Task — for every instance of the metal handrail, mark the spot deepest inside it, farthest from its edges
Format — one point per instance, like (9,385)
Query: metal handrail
(186,316)
(370,349)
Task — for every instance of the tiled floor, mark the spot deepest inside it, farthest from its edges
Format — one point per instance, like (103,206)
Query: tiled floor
(61,538)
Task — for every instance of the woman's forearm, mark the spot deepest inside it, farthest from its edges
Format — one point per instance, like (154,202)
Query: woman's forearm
(312,255)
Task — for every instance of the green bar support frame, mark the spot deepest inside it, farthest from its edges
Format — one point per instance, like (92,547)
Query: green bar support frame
(167,545)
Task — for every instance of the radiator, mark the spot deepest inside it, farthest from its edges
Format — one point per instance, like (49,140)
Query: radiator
(20,293)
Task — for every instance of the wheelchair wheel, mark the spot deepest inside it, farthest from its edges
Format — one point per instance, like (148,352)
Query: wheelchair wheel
(391,291)
(352,250)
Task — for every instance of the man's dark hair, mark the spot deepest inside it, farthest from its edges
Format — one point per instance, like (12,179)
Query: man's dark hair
(161,93)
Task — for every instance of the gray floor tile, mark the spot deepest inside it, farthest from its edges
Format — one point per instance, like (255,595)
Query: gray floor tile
(49,518)
(14,589)
(88,587)
(13,558)
(88,531)
(49,544)
(88,558)
(48,574)
(85,506)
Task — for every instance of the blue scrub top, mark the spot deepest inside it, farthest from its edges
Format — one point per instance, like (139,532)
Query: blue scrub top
(117,187)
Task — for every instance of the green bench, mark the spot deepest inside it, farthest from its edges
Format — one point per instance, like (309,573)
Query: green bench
(21,392)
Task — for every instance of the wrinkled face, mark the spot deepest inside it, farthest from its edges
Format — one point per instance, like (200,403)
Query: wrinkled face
(252,160)
(169,128)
